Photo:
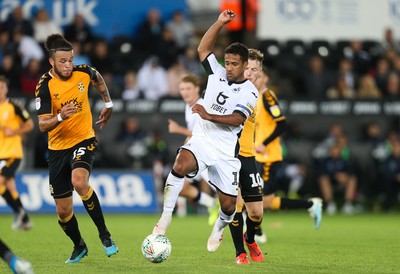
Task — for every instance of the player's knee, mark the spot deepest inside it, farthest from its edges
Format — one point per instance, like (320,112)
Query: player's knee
(256,216)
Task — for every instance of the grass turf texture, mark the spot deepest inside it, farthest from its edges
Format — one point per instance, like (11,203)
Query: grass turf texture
(366,243)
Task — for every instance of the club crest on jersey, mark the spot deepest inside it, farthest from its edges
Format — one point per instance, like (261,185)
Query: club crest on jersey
(275,111)
(81,87)
(56,98)
(236,90)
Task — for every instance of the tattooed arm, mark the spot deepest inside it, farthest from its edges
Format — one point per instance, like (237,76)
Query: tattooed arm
(101,87)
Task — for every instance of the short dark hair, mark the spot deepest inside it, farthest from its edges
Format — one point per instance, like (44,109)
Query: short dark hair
(239,49)
(56,42)
(4,79)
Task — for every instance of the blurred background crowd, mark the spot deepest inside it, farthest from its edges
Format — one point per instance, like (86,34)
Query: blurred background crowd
(149,63)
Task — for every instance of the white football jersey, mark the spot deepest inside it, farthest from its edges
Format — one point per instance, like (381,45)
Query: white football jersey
(223,98)
(190,117)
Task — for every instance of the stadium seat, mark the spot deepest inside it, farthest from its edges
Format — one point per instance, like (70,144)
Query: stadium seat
(373,47)
(321,47)
(272,50)
(296,48)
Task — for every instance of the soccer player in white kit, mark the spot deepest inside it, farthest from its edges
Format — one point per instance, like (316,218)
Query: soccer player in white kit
(196,189)
(228,101)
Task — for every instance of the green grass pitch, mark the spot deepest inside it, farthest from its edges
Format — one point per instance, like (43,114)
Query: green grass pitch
(365,243)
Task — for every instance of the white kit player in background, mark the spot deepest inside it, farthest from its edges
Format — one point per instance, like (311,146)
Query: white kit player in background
(195,189)
(229,100)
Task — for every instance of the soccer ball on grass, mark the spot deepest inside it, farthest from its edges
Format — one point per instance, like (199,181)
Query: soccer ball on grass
(156,248)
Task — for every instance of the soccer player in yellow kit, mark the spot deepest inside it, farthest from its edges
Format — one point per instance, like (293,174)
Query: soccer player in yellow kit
(15,121)
(250,181)
(64,112)
(270,125)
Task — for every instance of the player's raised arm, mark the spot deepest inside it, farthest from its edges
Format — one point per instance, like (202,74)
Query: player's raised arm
(208,40)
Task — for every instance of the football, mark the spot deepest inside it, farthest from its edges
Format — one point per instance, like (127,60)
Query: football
(156,248)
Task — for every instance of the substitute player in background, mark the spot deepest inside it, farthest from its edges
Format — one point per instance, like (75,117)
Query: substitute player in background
(64,112)
(249,180)
(15,121)
(270,124)
(228,101)
(189,89)
(16,264)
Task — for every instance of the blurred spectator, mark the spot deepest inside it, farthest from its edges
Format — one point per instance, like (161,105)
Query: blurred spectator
(382,74)
(341,90)
(79,31)
(167,49)
(350,76)
(190,60)
(316,79)
(243,27)
(360,58)
(175,74)
(152,79)
(100,58)
(333,172)
(149,32)
(27,47)
(367,88)
(43,26)
(6,45)
(391,176)
(134,139)
(322,149)
(182,30)
(79,57)
(30,77)
(393,86)
(16,20)
(131,90)
(389,41)
(12,72)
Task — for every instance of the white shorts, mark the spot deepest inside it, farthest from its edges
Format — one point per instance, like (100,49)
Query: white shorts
(223,169)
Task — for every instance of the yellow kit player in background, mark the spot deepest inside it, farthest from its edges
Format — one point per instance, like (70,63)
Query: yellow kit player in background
(64,112)
(250,181)
(270,125)
(14,122)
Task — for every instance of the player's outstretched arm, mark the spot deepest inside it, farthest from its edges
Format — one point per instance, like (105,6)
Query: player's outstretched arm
(101,87)
(235,119)
(207,42)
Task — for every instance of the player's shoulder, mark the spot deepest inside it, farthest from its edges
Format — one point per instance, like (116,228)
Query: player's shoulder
(271,97)
(85,68)
(18,107)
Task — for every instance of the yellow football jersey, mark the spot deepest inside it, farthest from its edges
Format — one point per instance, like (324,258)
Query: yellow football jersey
(268,113)
(52,94)
(11,116)
(246,140)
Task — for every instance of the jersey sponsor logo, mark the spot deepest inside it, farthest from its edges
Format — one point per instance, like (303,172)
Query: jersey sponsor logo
(78,105)
(275,111)
(37,103)
(222,80)
(218,108)
(221,98)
